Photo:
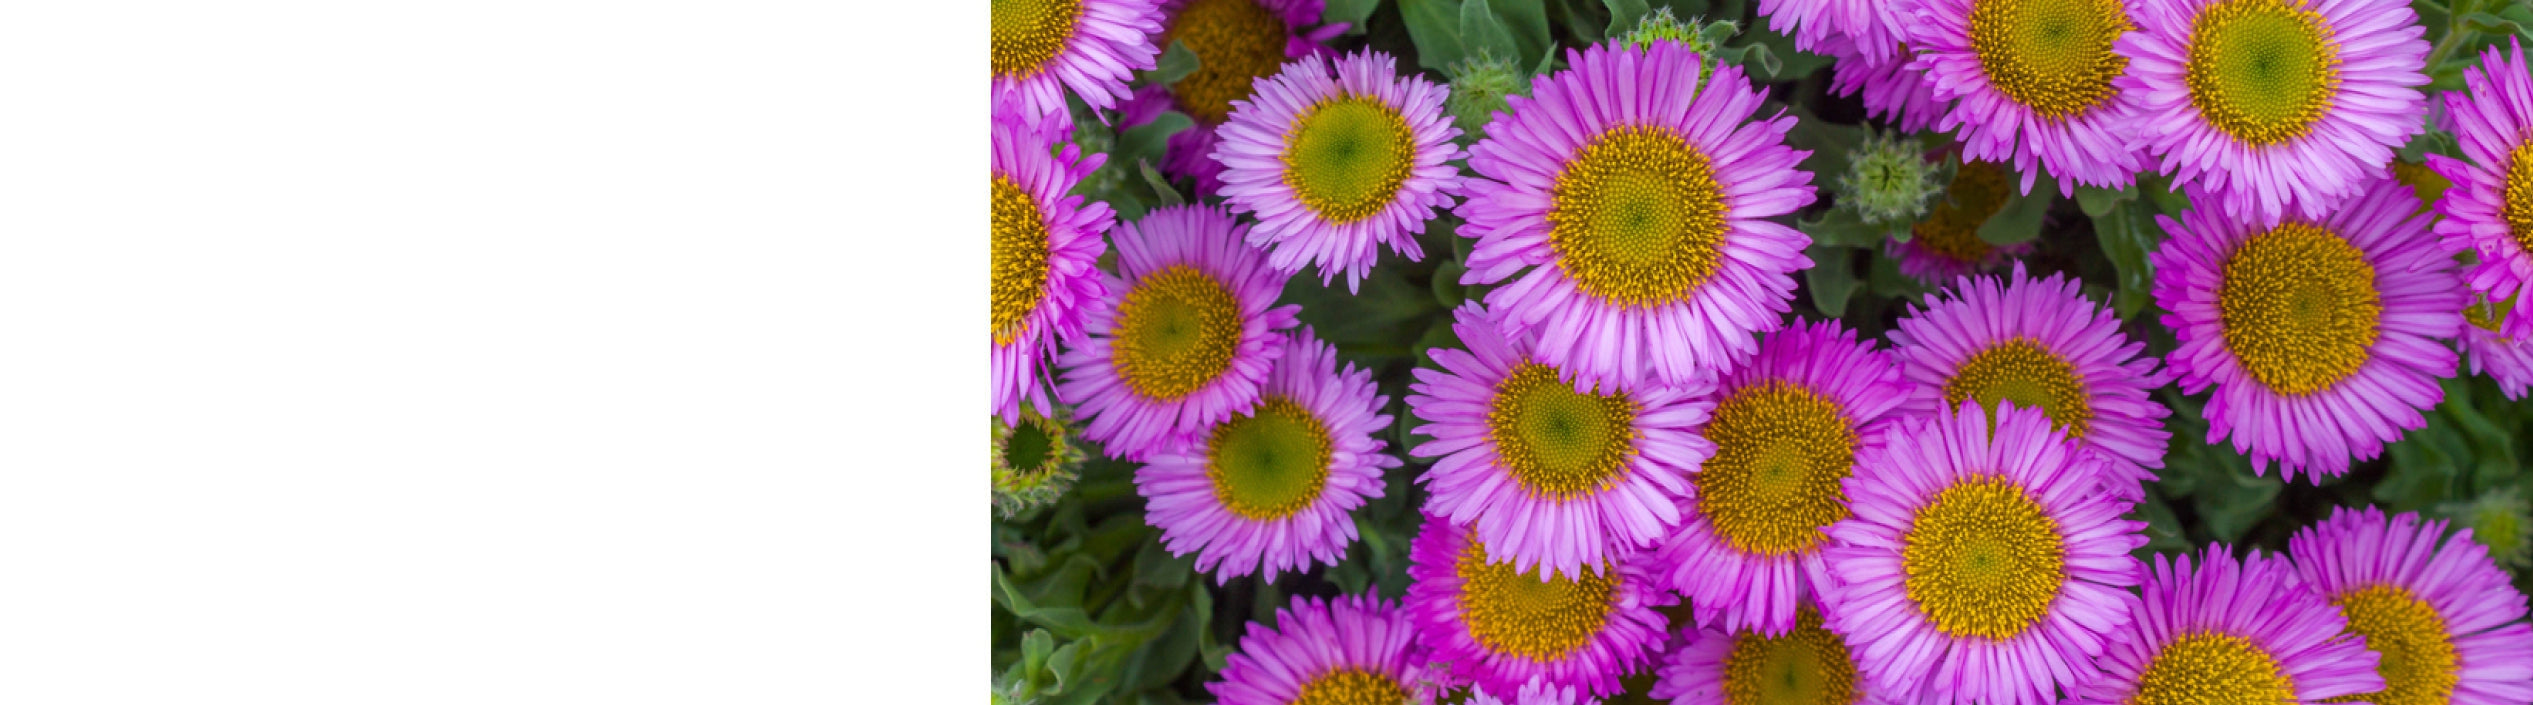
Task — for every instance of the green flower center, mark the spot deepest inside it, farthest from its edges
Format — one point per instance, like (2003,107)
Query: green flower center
(2419,666)
(2262,70)
(1637,218)
(2053,56)
(1176,331)
(1352,686)
(1984,560)
(1235,42)
(1558,442)
(1270,463)
(1020,259)
(1029,448)
(1951,229)
(2300,308)
(2208,667)
(1780,453)
(2519,206)
(1806,666)
(1510,612)
(2021,371)
(1029,33)
(1346,158)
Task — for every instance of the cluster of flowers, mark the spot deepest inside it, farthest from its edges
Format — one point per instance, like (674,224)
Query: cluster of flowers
(1631,420)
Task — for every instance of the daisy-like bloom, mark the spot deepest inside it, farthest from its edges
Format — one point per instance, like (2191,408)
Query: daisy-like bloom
(2229,632)
(1871,28)
(1273,486)
(1946,245)
(1336,167)
(2040,344)
(2489,210)
(1236,42)
(1551,472)
(1353,649)
(1787,430)
(2445,620)
(1042,47)
(1034,462)
(1892,89)
(1983,562)
(2508,359)
(2276,107)
(2319,336)
(1808,665)
(1046,251)
(1499,627)
(2031,83)
(1628,205)
(1184,340)
(1535,692)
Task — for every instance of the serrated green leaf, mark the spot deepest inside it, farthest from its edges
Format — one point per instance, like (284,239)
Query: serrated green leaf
(1434,25)
(1832,278)
(1176,63)
(1481,32)
(2019,221)
(1623,16)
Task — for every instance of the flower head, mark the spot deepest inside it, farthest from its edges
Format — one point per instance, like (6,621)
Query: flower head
(1353,649)
(1499,627)
(2489,209)
(1046,250)
(1945,245)
(1893,89)
(2449,627)
(2030,83)
(1034,461)
(1807,665)
(1041,47)
(2231,632)
(1236,42)
(1536,692)
(1872,28)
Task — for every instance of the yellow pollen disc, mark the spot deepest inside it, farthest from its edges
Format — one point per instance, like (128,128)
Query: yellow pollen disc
(1984,559)
(1557,442)
(1270,463)
(2019,370)
(2519,206)
(1516,613)
(2053,56)
(1780,453)
(2205,668)
(1235,42)
(2299,307)
(1346,158)
(2419,665)
(1951,228)
(1807,666)
(1637,218)
(1029,33)
(1352,686)
(2262,70)
(2424,183)
(2488,315)
(1176,331)
(1020,259)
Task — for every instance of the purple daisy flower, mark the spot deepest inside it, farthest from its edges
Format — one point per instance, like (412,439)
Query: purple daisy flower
(1807,664)
(2276,107)
(1046,251)
(2228,632)
(1981,564)
(1183,340)
(2489,209)
(2508,359)
(1041,47)
(1628,205)
(2448,625)
(1870,28)
(1498,627)
(1549,471)
(1536,692)
(1236,43)
(1335,167)
(1353,649)
(1945,245)
(1787,429)
(2049,102)
(1892,88)
(2042,345)
(2319,336)
(1272,487)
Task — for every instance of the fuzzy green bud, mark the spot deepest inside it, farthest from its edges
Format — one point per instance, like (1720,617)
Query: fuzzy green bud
(1479,85)
(1700,37)
(1035,461)
(2502,521)
(1889,182)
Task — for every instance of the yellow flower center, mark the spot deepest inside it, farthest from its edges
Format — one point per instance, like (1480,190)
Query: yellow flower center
(2021,371)
(1236,42)
(1346,158)
(1270,463)
(1176,330)
(1780,453)
(1951,228)
(1637,218)
(1557,442)
(1984,560)
(2053,56)
(2419,666)
(1510,612)
(2299,307)
(1029,33)
(2262,70)
(2519,206)
(1352,686)
(1020,259)
(2204,668)
(1806,666)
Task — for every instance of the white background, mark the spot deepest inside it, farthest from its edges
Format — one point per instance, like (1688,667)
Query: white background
(516,351)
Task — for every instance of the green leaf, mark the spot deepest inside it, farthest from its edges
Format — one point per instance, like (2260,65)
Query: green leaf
(1351,12)
(2097,201)
(1434,25)
(1623,16)
(2128,234)
(1832,278)
(1480,31)
(2486,23)
(1841,227)
(1146,142)
(1527,20)
(1176,63)
(2019,220)
(1168,195)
